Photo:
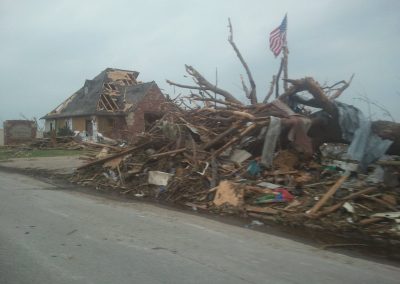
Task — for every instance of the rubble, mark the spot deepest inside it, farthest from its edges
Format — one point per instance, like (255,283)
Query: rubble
(195,158)
(265,160)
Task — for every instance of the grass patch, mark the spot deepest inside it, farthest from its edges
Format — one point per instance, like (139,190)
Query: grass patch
(9,153)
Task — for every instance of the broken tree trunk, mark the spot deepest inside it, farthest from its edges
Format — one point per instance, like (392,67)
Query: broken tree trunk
(384,129)
(252,94)
(388,130)
(203,84)
(312,86)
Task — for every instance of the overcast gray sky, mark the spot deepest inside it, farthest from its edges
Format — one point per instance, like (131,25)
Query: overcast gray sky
(49,47)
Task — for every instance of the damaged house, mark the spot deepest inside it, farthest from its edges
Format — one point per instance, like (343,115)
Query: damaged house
(113,103)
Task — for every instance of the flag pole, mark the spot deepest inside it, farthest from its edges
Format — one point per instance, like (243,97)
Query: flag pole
(285,67)
(285,61)
(278,44)
(278,76)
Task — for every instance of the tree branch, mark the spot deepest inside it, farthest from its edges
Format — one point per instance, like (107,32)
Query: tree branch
(229,104)
(341,89)
(184,86)
(252,94)
(311,102)
(244,86)
(206,85)
(315,90)
(271,90)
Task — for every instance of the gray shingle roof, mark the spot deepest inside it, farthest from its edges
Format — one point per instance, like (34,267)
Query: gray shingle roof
(84,101)
(136,93)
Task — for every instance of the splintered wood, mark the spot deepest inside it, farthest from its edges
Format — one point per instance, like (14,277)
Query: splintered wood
(229,193)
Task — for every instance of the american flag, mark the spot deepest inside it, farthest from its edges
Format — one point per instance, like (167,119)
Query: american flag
(277,38)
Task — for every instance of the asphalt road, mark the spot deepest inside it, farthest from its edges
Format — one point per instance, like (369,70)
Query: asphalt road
(49,235)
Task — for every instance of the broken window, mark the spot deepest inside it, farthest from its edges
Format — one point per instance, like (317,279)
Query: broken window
(150,118)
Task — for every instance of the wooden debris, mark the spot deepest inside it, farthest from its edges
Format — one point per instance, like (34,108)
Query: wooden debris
(229,193)
(327,195)
(194,142)
(103,160)
(266,210)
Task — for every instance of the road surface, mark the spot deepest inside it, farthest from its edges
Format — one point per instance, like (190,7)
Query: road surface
(50,235)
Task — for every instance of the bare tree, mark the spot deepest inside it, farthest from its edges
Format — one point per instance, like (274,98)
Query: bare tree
(252,93)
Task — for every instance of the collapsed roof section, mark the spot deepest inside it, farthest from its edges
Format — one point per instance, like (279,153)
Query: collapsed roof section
(112,92)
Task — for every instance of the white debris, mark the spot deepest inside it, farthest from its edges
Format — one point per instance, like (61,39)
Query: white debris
(159,178)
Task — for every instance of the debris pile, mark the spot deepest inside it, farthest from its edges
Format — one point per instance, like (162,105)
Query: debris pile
(239,160)
(88,150)
(62,142)
(276,160)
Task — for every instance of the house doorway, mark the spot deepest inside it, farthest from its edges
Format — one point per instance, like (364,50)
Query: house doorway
(89,127)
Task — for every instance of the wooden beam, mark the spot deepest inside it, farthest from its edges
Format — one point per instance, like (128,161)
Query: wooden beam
(107,99)
(327,195)
(102,103)
(103,160)
(102,98)
(168,153)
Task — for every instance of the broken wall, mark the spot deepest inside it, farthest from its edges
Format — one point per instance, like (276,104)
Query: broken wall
(19,131)
(112,126)
(152,103)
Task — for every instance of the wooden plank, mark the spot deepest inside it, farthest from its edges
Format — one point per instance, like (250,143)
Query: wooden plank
(380,201)
(389,163)
(104,101)
(266,210)
(168,153)
(102,104)
(235,139)
(335,207)
(111,102)
(370,220)
(101,145)
(103,160)
(104,98)
(327,195)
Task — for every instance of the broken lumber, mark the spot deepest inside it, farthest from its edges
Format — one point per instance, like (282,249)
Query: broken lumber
(168,153)
(266,210)
(103,160)
(336,206)
(327,195)
(229,193)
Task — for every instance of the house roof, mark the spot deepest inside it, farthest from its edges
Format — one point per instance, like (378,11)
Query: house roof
(85,101)
(134,94)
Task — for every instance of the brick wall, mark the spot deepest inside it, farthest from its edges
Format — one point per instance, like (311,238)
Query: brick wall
(1,137)
(18,131)
(112,126)
(151,103)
